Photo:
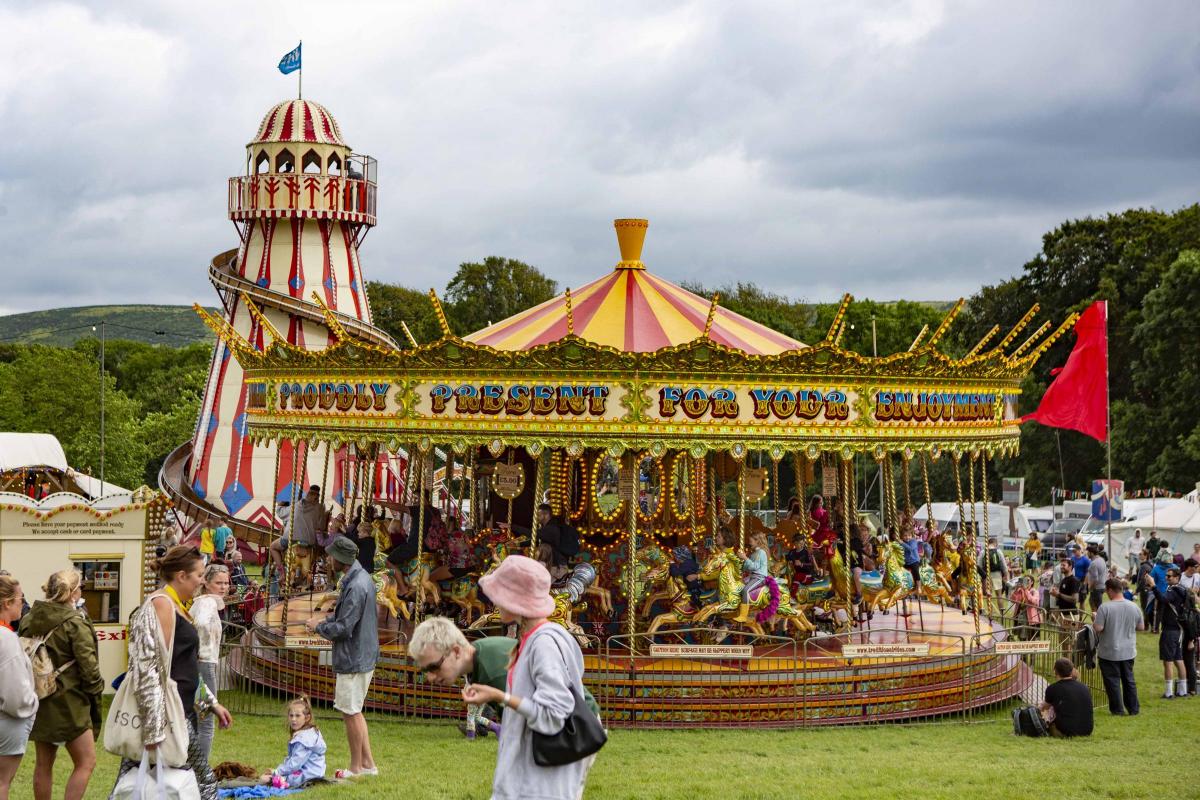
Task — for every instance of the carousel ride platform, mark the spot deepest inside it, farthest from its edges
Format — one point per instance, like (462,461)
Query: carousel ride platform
(896,667)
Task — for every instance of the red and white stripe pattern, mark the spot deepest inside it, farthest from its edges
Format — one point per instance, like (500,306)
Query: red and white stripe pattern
(299,121)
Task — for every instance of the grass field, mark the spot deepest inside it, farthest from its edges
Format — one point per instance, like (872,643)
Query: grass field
(1138,757)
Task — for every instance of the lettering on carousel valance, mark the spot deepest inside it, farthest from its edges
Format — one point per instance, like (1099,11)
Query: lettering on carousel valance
(522,401)
(546,401)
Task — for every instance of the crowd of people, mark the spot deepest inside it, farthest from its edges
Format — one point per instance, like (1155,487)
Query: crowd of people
(521,688)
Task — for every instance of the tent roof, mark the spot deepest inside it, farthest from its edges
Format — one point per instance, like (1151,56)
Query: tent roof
(1168,515)
(22,450)
(634,311)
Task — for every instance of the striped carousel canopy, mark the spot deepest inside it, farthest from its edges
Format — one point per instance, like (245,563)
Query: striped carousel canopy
(632,310)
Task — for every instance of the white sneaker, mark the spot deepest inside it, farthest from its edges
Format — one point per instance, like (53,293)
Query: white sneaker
(369,772)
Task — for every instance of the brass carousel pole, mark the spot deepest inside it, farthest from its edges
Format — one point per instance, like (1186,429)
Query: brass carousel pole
(975,540)
(537,499)
(987,527)
(712,501)
(510,502)
(846,479)
(800,467)
(472,456)
(274,494)
(462,487)
(325,474)
(741,489)
(289,560)
(693,474)
(420,610)
(630,571)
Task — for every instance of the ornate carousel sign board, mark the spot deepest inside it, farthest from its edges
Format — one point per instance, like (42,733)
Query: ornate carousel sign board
(888,650)
(1022,648)
(701,651)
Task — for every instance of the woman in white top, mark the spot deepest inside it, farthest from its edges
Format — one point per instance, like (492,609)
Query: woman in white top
(206,616)
(18,701)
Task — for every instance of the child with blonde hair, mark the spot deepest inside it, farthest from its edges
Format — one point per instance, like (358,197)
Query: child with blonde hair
(306,749)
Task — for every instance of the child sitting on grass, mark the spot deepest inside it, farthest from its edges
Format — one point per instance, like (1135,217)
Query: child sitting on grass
(306,749)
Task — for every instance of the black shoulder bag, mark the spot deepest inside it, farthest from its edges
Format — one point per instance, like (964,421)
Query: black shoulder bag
(582,734)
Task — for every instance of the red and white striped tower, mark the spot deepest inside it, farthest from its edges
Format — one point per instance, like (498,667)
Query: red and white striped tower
(301,209)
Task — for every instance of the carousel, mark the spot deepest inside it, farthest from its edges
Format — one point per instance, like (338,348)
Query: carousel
(663,429)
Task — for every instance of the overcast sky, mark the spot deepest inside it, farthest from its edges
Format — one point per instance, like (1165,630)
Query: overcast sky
(894,150)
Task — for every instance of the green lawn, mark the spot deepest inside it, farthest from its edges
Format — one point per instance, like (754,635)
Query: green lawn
(1126,758)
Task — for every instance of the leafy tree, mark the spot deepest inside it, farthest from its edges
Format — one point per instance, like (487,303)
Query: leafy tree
(57,391)
(789,317)
(1121,258)
(492,290)
(392,304)
(1166,368)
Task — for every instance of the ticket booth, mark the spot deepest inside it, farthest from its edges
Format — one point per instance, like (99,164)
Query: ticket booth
(109,541)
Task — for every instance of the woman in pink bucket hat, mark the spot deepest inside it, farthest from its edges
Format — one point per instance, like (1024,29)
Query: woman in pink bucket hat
(543,667)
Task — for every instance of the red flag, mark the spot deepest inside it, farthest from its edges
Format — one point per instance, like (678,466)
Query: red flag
(1077,398)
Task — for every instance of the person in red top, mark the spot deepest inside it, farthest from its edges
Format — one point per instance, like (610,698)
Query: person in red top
(824,536)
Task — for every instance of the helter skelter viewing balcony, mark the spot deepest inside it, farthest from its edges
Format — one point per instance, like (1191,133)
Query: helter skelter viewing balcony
(318,195)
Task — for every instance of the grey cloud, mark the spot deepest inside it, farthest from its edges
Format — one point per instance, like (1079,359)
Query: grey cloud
(891,150)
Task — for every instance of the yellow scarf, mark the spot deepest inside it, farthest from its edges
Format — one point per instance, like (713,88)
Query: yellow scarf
(184,607)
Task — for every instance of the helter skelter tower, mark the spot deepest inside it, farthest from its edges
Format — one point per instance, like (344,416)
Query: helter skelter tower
(302,209)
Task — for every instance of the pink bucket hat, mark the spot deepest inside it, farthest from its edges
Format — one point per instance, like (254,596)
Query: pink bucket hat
(521,586)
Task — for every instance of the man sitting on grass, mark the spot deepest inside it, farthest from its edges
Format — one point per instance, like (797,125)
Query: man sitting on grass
(1070,701)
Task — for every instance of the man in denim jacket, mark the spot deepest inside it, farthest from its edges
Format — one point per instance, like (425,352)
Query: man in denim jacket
(354,630)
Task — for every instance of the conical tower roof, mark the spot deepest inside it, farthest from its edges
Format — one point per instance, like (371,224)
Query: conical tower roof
(632,310)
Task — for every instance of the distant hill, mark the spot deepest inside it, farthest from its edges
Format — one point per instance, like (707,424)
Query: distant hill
(171,325)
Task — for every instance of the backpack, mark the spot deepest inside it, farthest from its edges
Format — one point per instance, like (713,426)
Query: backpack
(45,676)
(1085,646)
(1189,617)
(1028,721)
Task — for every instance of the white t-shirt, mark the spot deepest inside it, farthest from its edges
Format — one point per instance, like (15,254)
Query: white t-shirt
(1191,582)
(1134,546)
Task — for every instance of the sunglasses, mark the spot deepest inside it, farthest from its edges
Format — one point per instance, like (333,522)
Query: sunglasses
(429,669)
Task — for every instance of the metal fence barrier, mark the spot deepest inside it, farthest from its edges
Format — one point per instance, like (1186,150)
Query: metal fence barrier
(708,677)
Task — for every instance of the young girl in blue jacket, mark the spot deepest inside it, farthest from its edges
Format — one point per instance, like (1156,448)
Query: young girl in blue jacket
(306,749)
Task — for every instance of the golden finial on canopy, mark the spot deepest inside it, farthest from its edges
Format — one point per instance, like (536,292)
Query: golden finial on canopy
(631,235)
(570,313)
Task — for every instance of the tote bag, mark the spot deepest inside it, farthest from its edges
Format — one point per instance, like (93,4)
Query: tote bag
(123,726)
(169,784)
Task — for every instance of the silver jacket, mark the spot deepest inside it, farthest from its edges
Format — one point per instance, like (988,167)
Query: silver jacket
(148,670)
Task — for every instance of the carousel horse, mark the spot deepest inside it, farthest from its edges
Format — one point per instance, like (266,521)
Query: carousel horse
(896,582)
(682,611)
(834,592)
(464,593)
(648,578)
(934,588)
(942,547)
(385,597)
(766,604)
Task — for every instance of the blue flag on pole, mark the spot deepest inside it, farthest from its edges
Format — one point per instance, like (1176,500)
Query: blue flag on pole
(290,62)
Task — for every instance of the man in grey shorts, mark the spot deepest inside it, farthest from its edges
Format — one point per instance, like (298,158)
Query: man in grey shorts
(354,630)
(1117,623)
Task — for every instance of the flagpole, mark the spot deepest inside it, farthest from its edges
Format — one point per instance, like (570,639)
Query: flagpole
(1108,425)
(300,73)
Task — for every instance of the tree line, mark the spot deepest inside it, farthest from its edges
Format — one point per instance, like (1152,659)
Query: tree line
(1146,263)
